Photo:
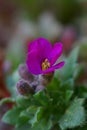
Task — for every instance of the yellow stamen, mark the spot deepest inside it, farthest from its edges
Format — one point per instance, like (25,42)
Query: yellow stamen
(45,65)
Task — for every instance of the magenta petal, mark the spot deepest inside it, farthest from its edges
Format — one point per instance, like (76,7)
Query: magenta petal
(42,45)
(32,45)
(55,53)
(57,66)
(33,62)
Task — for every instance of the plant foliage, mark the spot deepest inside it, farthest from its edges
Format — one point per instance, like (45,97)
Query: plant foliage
(60,106)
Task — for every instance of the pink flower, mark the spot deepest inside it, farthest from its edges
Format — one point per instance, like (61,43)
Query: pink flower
(42,56)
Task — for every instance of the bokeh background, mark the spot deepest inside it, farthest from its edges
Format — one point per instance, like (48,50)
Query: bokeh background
(21,21)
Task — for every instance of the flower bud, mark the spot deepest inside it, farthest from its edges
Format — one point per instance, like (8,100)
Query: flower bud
(39,88)
(24,73)
(24,88)
(34,84)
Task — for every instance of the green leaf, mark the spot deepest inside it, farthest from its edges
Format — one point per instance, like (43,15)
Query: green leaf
(7,100)
(12,116)
(31,110)
(37,117)
(54,85)
(70,65)
(74,115)
(43,125)
(68,84)
(68,95)
(78,71)
(41,98)
(21,121)
(23,102)
(26,115)
(24,127)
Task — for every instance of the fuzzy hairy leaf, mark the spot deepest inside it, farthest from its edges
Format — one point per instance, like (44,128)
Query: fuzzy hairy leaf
(11,117)
(7,100)
(68,84)
(68,95)
(74,115)
(54,85)
(24,127)
(70,65)
(22,101)
(37,117)
(41,98)
(21,121)
(43,125)
(31,110)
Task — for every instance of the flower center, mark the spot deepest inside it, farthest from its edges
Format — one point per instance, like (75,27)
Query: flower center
(45,65)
